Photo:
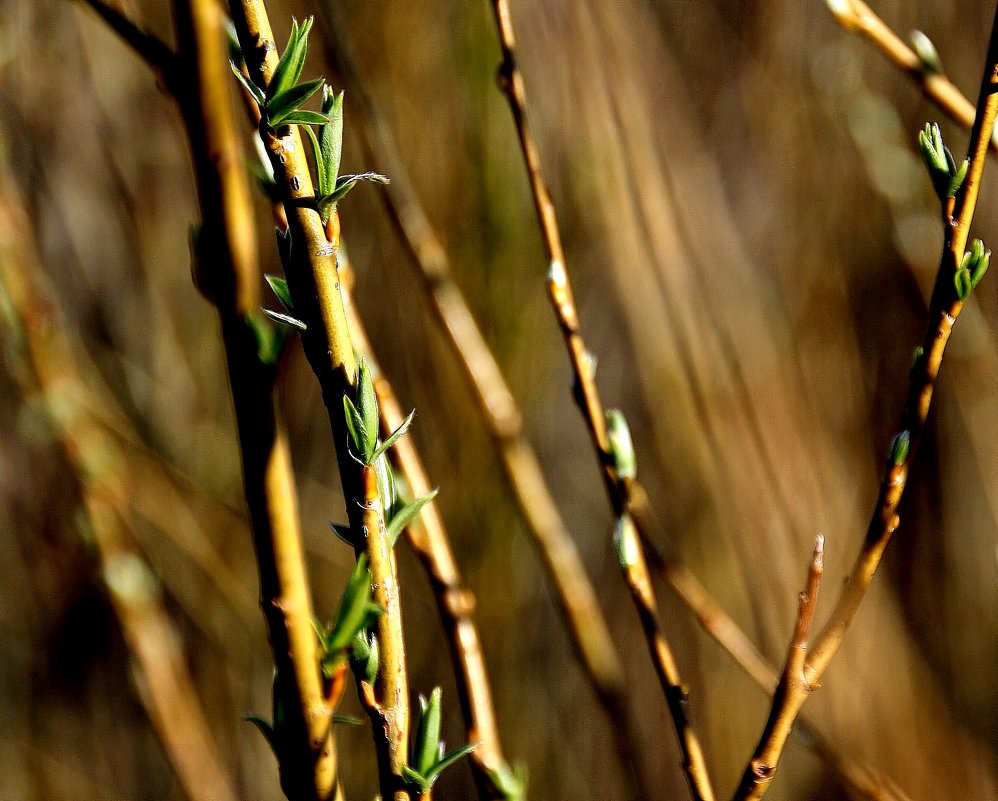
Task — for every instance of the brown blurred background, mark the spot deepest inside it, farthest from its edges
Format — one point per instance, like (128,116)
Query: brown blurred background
(752,238)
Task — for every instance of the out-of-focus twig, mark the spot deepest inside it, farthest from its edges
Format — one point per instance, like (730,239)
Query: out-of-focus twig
(167,690)
(150,48)
(793,682)
(588,397)
(227,272)
(855,15)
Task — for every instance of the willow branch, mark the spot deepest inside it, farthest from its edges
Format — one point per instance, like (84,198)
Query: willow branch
(792,691)
(314,282)
(428,538)
(944,309)
(857,16)
(154,645)
(587,393)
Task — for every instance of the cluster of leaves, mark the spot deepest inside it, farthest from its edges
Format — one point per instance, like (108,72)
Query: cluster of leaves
(972,267)
(947,176)
(281,103)
(354,617)
(362,419)
(429,757)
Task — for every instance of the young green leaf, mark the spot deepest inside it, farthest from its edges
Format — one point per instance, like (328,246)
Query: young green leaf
(356,429)
(396,435)
(265,729)
(344,532)
(254,91)
(625,462)
(900,445)
(280,107)
(367,402)
(386,485)
(302,117)
(510,782)
(347,182)
(281,289)
(292,60)
(404,516)
(427,732)
(450,759)
(331,138)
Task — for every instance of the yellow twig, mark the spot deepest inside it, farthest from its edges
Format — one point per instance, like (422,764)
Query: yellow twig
(314,283)
(855,15)
(944,309)
(792,691)
(587,394)
(587,626)
(428,538)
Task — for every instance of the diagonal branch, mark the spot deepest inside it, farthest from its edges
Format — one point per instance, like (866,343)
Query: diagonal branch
(587,395)
(792,691)
(149,47)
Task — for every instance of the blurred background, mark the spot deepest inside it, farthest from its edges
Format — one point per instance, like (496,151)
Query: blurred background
(752,238)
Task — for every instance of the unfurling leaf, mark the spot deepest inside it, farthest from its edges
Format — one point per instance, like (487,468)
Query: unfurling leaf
(404,516)
(292,60)
(625,462)
(900,445)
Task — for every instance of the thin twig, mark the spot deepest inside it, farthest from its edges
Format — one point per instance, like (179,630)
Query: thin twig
(944,309)
(428,538)
(638,579)
(857,16)
(169,695)
(587,394)
(149,47)
(794,684)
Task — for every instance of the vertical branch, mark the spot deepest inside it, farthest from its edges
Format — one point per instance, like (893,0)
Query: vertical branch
(587,395)
(791,693)
(314,283)
(387,703)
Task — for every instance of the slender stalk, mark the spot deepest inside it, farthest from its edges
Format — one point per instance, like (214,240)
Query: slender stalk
(428,538)
(792,691)
(391,689)
(638,580)
(154,645)
(314,282)
(857,16)
(587,393)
